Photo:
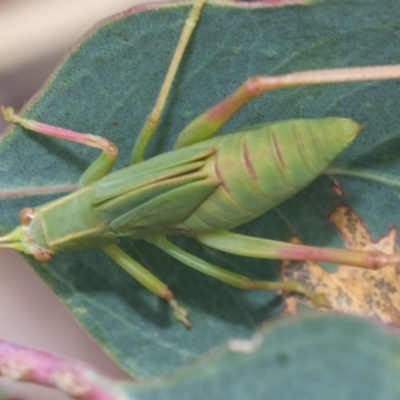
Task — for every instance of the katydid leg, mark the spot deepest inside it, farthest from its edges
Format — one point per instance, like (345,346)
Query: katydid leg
(207,124)
(98,169)
(153,118)
(231,278)
(264,248)
(148,280)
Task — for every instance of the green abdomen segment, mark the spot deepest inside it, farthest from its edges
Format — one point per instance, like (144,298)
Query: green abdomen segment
(259,168)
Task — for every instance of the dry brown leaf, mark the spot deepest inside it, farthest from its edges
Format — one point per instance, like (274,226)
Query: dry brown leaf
(351,290)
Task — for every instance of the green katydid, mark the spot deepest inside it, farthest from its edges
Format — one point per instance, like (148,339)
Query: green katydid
(203,188)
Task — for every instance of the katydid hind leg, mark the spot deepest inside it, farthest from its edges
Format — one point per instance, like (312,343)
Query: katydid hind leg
(264,248)
(208,123)
(98,169)
(153,118)
(234,279)
(148,280)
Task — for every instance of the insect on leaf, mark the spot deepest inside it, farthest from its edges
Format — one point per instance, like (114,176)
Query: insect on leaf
(108,85)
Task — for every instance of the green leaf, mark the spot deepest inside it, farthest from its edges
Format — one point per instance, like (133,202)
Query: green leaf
(108,85)
(317,358)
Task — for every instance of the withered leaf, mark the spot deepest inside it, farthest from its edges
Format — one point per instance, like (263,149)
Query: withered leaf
(351,290)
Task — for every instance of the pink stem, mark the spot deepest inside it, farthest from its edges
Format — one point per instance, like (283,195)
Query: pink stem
(72,377)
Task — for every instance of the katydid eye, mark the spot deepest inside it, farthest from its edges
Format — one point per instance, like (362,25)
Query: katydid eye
(41,255)
(26,216)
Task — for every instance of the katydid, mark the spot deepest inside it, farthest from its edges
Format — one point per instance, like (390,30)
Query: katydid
(203,188)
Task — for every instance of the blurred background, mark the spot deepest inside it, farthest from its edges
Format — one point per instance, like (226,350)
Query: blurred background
(34,36)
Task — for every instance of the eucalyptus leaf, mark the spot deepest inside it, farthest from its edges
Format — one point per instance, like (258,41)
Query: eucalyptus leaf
(316,358)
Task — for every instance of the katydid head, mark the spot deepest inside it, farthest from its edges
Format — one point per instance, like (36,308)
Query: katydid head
(23,240)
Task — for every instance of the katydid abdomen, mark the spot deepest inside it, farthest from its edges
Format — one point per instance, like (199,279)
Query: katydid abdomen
(260,167)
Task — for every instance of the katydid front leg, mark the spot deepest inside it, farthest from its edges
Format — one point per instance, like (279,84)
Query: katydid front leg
(148,280)
(98,169)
